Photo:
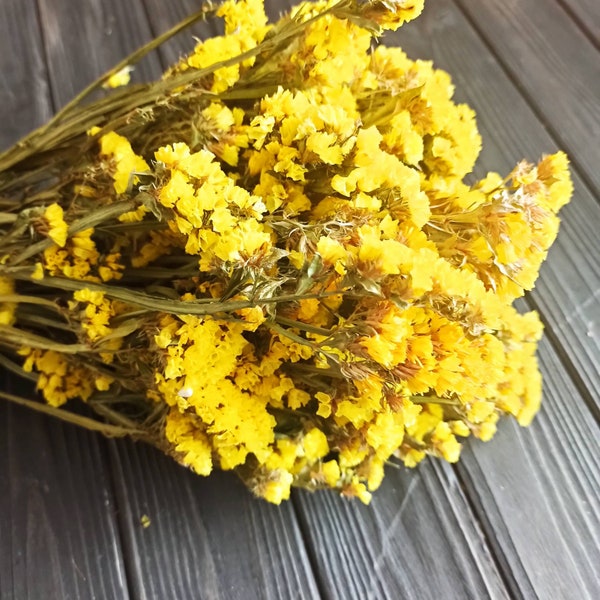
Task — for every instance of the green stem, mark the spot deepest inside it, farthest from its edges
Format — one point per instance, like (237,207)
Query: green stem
(200,307)
(12,336)
(434,400)
(7,218)
(312,370)
(303,326)
(300,340)
(115,417)
(40,321)
(81,421)
(13,367)
(21,299)
(106,213)
(37,139)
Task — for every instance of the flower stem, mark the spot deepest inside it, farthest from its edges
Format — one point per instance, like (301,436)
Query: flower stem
(79,420)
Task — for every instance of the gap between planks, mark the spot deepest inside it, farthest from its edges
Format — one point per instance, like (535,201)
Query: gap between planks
(590,29)
(573,146)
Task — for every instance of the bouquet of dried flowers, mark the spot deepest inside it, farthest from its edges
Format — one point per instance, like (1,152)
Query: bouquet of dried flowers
(268,261)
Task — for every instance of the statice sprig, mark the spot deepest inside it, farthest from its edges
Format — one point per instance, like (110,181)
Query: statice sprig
(268,261)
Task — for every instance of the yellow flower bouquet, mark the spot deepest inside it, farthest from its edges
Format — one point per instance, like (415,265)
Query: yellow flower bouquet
(268,261)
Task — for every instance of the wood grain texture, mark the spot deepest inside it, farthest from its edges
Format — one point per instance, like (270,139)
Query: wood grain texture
(518,518)
(85,39)
(554,64)
(58,532)
(567,291)
(537,493)
(207,538)
(24,94)
(417,539)
(162,16)
(586,13)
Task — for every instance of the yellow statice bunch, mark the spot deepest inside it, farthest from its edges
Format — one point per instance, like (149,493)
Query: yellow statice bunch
(76,259)
(57,226)
(391,14)
(412,104)
(79,258)
(223,132)
(220,220)
(199,376)
(125,163)
(119,78)
(273,265)
(245,28)
(331,52)
(503,231)
(60,379)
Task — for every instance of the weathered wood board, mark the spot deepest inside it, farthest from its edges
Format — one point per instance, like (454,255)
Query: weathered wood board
(517,518)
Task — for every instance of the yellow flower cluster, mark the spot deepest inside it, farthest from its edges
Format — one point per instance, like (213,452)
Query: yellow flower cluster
(220,220)
(75,259)
(245,27)
(127,163)
(321,290)
(503,232)
(200,375)
(60,379)
(63,376)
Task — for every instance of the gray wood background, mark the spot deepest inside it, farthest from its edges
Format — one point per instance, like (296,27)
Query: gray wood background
(518,517)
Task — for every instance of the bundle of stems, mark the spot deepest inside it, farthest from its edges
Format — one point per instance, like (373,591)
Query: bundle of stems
(268,260)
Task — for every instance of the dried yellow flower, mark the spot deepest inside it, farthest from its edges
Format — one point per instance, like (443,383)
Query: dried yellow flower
(276,262)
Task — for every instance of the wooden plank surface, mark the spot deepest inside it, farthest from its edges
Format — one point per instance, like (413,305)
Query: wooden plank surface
(208,538)
(554,65)
(58,533)
(163,15)
(586,13)
(535,491)
(518,517)
(84,39)
(417,539)
(24,92)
